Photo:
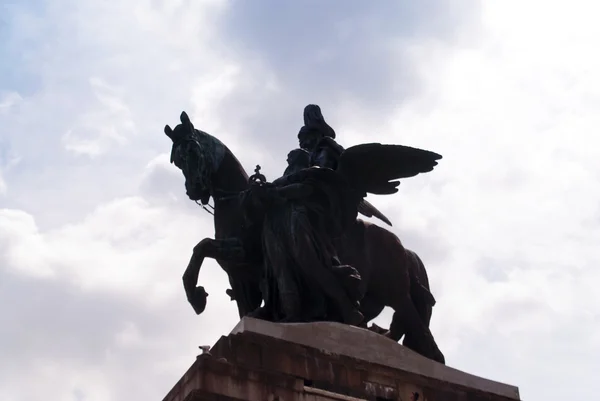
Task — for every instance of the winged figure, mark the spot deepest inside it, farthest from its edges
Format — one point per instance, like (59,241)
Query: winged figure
(362,169)
(316,206)
(318,138)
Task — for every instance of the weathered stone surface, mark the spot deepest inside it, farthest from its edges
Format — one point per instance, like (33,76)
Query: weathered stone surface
(260,360)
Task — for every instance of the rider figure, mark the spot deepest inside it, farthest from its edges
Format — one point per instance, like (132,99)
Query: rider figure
(318,138)
(297,159)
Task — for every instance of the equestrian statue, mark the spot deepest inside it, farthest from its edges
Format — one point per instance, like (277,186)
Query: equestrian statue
(293,249)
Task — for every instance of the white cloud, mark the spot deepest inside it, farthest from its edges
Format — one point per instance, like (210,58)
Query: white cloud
(107,250)
(96,130)
(517,190)
(107,294)
(162,181)
(9,100)
(3,187)
(507,225)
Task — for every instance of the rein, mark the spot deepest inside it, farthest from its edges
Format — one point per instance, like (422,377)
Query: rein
(256,179)
(227,196)
(207,209)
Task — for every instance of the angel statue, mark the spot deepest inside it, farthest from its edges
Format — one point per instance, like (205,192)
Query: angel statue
(304,211)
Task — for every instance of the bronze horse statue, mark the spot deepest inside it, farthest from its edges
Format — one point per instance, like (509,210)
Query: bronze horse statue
(385,266)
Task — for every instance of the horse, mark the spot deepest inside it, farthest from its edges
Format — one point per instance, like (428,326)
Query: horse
(385,266)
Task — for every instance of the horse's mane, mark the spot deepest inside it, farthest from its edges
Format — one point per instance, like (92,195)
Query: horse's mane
(241,168)
(226,162)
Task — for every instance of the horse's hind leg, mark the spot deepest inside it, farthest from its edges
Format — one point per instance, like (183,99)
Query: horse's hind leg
(397,327)
(406,320)
(420,294)
(424,310)
(370,308)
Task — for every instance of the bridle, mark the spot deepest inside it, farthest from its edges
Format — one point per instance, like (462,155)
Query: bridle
(204,176)
(208,208)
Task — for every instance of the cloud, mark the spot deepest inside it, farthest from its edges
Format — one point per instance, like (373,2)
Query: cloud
(95,228)
(515,197)
(100,299)
(354,50)
(81,344)
(109,124)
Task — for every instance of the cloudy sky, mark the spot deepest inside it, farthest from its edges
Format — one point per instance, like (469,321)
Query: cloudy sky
(95,228)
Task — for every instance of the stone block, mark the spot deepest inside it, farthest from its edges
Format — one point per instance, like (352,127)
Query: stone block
(261,360)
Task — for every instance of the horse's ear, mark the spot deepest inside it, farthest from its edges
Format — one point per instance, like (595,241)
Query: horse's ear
(185,120)
(169,132)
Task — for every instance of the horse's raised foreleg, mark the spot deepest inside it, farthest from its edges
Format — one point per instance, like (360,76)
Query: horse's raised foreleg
(227,249)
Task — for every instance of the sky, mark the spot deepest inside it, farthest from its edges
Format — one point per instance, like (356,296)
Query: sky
(96,230)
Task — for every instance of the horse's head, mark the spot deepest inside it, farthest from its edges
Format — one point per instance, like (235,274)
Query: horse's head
(197,155)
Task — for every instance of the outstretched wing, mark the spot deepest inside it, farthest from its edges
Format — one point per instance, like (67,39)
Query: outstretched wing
(371,167)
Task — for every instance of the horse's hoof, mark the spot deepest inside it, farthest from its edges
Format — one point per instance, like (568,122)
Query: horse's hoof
(260,313)
(379,330)
(198,299)
(439,357)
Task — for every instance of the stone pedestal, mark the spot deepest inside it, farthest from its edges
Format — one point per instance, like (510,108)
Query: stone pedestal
(267,361)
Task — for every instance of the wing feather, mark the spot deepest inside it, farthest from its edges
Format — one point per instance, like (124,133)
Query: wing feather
(375,168)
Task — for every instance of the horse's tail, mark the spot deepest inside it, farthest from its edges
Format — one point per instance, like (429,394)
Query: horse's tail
(419,287)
